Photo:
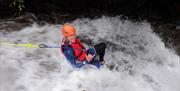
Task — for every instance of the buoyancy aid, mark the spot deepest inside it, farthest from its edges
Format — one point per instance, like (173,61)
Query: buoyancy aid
(79,49)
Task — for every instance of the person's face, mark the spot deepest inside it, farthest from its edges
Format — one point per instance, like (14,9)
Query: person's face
(71,38)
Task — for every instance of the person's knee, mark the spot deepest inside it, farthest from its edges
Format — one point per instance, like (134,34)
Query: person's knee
(103,44)
(100,47)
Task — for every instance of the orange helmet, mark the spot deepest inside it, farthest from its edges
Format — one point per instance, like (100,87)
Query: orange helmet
(68,30)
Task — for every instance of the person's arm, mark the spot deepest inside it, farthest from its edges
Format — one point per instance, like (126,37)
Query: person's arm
(68,52)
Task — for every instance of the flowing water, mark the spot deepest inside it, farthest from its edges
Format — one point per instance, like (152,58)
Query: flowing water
(140,61)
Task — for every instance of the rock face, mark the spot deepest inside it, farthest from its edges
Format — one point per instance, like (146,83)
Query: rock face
(170,33)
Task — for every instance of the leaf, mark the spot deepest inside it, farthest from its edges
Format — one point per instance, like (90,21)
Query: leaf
(14,3)
(19,6)
(23,6)
(10,5)
(20,9)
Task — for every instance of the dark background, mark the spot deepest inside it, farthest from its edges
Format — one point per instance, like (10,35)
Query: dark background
(136,9)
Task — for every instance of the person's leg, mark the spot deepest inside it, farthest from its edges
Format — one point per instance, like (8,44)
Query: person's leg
(100,50)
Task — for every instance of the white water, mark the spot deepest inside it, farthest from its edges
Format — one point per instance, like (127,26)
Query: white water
(142,63)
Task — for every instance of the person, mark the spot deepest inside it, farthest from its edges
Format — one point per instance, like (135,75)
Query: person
(74,51)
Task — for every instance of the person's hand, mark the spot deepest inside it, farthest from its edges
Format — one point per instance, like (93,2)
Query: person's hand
(89,57)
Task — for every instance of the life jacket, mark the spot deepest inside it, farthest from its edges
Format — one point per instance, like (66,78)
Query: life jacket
(78,49)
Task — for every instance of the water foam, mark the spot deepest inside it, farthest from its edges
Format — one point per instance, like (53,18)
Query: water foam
(141,61)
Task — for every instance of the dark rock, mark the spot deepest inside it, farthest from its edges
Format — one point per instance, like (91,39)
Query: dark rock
(15,24)
(169,32)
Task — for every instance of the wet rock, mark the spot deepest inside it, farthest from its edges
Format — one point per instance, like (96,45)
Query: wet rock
(170,33)
(16,24)
(54,18)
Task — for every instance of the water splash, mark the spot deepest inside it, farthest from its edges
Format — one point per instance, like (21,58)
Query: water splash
(139,58)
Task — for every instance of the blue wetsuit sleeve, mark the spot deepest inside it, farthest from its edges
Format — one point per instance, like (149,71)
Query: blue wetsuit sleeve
(68,52)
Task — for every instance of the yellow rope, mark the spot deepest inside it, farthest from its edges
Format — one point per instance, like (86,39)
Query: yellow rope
(29,45)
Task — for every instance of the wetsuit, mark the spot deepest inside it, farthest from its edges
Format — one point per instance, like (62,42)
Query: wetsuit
(75,53)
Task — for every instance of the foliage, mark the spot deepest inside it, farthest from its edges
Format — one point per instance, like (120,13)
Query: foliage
(17,5)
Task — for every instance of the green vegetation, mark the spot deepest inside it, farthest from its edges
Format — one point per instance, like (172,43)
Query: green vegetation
(18,6)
